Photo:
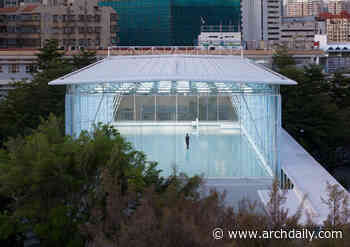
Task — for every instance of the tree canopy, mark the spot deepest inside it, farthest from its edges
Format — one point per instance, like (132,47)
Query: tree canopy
(22,109)
(316,111)
(50,177)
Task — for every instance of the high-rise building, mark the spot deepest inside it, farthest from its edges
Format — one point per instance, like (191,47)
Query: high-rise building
(17,3)
(338,26)
(170,22)
(299,32)
(304,7)
(252,19)
(261,19)
(80,24)
(336,6)
(273,12)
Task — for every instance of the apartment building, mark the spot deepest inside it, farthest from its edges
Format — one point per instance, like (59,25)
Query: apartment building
(20,26)
(336,6)
(299,32)
(17,3)
(304,7)
(273,19)
(337,26)
(73,24)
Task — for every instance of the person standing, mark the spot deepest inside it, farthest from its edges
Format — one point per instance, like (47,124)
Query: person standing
(187,140)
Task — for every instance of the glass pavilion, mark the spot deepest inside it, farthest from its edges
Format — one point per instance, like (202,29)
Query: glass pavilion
(230,107)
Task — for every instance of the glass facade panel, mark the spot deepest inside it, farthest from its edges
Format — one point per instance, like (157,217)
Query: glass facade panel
(187,108)
(145,107)
(203,108)
(126,111)
(166,108)
(235,136)
(212,108)
(225,109)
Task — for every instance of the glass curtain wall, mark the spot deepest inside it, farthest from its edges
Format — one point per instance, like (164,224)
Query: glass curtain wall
(170,22)
(235,135)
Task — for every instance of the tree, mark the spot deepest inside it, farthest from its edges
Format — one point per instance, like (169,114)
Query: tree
(311,116)
(339,87)
(50,177)
(281,58)
(22,109)
(315,111)
(83,59)
(49,56)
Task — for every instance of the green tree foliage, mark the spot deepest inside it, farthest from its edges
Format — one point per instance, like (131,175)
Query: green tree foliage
(313,113)
(340,90)
(281,58)
(84,58)
(96,189)
(28,101)
(50,178)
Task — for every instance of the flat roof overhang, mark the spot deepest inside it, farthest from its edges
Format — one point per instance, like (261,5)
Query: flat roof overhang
(152,68)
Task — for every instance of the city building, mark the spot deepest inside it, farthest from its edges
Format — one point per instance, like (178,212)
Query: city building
(15,66)
(261,19)
(57,2)
(337,26)
(252,20)
(272,10)
(336,6)
(18,3)
(79,24)
(20,26)
(338,54)
(299,32)
(304,7)
(219,37)
(170,22)
(229,106)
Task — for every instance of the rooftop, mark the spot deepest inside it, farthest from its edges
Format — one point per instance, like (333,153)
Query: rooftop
(150,68)
(161,51)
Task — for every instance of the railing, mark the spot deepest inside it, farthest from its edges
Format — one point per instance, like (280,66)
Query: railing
(187,50)
(285,182)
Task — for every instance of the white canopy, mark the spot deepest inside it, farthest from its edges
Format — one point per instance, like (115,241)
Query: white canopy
(148,68)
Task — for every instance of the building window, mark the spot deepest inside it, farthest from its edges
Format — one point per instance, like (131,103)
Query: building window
(89,18)
(71,17)
(68,30)
(97,18)
(13,68)
(83,42)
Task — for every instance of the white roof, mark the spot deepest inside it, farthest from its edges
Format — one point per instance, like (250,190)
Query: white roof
(143,68)
(307,175)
